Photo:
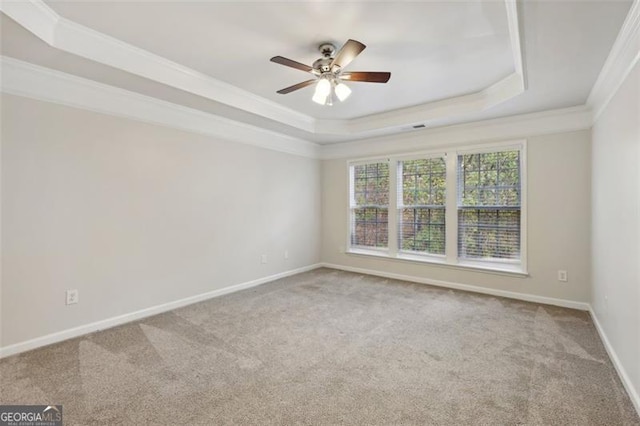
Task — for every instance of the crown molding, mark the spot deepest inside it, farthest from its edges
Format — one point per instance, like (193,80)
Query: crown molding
(516,33)
(401,119)
(35,16)
(69,36)
(517,126)
(77,39)
(36,82)
(623,57)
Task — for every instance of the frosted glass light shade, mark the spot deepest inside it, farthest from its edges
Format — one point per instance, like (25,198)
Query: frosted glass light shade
(342,91)
(319,98)
(323,88)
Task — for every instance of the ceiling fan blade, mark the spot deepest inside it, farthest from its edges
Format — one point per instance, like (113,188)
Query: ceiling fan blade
(296,87)
(367,76)
(291,63)
(347,53)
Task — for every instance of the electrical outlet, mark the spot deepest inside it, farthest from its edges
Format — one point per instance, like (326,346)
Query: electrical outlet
(263,258)
(286,254)
(562,276)
(72,297)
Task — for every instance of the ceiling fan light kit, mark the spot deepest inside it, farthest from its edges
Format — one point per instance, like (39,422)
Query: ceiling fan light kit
(326,87)
(342,91)
(328,72)
(322,94)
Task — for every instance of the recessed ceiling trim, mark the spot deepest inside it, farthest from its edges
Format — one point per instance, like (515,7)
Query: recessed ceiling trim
(77,39)
(36,82)
(623,57)
(517,126)
(36,17)
(401,118)
(516,37)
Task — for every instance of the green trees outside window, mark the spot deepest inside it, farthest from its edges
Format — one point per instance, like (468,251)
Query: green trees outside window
(460,206)
(371,197)
(489,205)
(421,202)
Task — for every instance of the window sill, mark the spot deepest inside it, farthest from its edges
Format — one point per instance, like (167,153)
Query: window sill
(508,270)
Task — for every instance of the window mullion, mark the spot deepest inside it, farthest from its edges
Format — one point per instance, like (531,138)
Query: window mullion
(451,212)
(393,208)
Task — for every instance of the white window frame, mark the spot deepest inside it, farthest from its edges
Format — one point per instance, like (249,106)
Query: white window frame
(450,259)
(438,258)
(377,251)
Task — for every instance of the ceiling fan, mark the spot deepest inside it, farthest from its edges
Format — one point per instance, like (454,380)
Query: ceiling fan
(328,72)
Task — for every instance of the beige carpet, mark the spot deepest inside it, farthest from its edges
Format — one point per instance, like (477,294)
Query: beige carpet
(329,347)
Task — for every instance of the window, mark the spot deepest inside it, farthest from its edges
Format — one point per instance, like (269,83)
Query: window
(421,205)
(461,207)
(489,205)
(370,205)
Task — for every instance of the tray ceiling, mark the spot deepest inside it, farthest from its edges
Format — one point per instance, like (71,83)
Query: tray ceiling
(434,50)
(450,61)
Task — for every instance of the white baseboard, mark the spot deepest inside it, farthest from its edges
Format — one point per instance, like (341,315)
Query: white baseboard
(466,287)
(133,316)
(622,373)
(143,313)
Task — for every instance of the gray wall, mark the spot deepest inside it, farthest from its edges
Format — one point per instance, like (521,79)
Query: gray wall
(135,215)
(616,224)
(558,224)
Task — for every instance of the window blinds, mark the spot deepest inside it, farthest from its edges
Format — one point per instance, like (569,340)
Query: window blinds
(421,205)
(370,205)
(489,205)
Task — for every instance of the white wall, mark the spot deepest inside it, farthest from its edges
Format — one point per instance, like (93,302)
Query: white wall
(558,223)
(616,226)
(135,215)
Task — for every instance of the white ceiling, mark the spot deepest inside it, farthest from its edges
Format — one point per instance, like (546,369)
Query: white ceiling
(434,50)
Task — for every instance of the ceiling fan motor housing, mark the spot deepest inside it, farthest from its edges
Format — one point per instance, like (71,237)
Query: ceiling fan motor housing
(327,50)
(323,65)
